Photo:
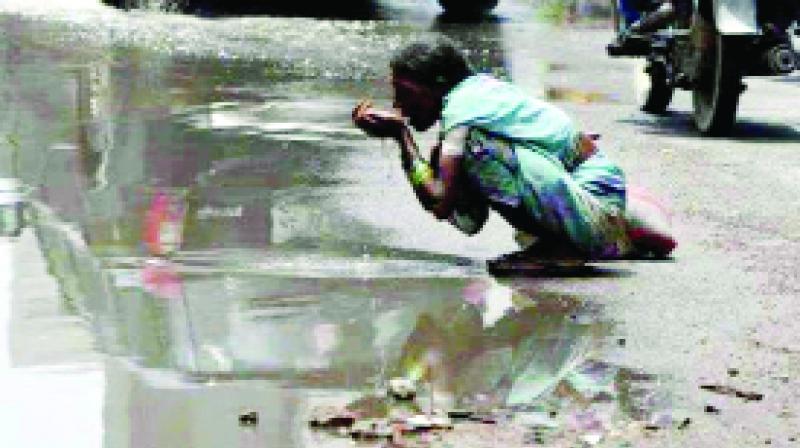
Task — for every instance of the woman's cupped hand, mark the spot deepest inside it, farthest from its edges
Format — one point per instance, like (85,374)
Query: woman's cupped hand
(377,123)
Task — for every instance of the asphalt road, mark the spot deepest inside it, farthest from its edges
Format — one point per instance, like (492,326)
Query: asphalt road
(723,312)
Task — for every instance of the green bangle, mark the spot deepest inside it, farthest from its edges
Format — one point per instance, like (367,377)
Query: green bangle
(420,173)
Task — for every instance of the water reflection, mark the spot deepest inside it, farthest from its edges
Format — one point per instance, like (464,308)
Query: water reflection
(482,39)
(186,339)
(121,149)
(95,126)
(301,343)
(335,331)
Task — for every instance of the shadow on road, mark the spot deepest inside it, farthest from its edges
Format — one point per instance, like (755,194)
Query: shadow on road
(586,271)
(749,130)
(668,123)
(680,124)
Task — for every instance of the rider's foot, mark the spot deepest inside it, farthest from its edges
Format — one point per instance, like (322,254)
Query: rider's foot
(628,44)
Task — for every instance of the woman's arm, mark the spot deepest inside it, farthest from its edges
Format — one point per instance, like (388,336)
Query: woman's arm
(435,184)
(434,181)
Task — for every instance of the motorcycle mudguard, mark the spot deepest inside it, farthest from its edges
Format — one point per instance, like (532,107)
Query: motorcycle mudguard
(736,17)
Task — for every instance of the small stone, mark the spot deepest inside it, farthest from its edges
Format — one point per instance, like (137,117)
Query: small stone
(661,420)
(248,419)
(424,422)
(711,409)
(733,372)
(726,390)
(331,417)
(441,422)
(460,413)
(592,439)
(402,388)
(371,429)
(534,438)
(685,423)
(536,420)
(484,418)
(417,423)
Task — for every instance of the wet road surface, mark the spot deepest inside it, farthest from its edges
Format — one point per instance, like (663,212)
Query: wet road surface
(300,269)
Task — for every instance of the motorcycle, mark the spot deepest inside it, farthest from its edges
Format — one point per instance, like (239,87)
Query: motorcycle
(708,47)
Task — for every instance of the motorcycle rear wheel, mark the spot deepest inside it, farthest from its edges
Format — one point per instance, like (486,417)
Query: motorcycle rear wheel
(655,94)
(716,96)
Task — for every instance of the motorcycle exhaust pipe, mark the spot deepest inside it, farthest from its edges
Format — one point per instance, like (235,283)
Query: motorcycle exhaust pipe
(780,60)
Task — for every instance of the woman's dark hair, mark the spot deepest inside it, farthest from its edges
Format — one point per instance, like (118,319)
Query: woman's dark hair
(435,62)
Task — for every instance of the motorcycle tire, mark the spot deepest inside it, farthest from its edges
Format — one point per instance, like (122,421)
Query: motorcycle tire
(716,96)
(655,94)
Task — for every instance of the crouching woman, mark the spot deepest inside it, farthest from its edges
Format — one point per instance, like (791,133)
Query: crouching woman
(504,150)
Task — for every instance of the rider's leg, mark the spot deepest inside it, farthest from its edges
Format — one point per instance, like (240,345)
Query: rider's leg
(655,20)
(628,42)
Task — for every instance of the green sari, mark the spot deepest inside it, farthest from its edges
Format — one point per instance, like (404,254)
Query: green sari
(522,158)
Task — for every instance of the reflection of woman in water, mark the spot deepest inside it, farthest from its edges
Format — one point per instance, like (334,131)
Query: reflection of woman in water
(501,149)
(502,346)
